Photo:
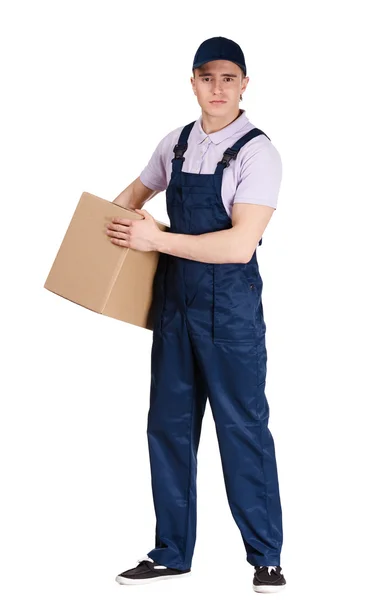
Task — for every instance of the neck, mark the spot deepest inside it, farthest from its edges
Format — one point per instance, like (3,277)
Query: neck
(212,123)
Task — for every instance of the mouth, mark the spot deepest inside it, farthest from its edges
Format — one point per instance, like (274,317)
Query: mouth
(218,101)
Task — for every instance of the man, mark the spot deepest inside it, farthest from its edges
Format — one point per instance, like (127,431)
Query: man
(222,177)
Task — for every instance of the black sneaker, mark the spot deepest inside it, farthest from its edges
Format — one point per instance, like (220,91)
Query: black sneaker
(147,571)
(268,579)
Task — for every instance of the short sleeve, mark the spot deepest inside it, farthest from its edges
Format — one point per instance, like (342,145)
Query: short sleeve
(154,174)
(260,176)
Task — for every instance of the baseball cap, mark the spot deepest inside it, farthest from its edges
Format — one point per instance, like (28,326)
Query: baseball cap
(217,48)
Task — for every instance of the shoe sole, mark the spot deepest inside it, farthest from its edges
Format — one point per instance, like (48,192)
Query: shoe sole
(128,581)
(268,589)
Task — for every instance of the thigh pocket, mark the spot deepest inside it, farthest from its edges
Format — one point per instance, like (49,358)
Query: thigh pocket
(261,359)
(236,298)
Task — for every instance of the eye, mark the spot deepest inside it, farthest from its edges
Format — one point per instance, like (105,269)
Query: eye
(207,78)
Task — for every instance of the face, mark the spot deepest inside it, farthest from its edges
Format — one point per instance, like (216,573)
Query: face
(219,80)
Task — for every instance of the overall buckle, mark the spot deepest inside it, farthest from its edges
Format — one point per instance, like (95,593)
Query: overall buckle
(228,155)
(179,150)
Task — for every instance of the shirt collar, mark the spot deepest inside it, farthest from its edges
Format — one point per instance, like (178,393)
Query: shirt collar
(219,136)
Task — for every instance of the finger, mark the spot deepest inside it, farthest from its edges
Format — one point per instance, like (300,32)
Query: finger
(122,221)
(119,234)
(124,228)
(119,242)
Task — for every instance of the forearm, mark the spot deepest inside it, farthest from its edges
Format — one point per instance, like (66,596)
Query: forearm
(125,198)
(135,195)
(226,246)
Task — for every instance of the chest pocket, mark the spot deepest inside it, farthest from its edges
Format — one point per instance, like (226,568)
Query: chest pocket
(201,220)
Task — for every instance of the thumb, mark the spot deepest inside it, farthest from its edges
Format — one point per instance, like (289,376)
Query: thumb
(142,212)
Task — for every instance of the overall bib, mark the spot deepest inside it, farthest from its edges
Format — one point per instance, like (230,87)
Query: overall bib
(209,342)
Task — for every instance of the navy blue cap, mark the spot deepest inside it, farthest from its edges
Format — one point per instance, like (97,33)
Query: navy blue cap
(219,48)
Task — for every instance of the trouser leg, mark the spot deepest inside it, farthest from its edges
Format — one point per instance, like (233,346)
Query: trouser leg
(177,403)
(235,375)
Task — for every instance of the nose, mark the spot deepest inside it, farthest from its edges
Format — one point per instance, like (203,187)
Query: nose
(217,88)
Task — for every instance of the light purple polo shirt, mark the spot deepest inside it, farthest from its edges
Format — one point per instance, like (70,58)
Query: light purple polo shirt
(253,177)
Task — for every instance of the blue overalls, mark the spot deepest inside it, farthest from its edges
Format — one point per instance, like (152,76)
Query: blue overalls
(209,342)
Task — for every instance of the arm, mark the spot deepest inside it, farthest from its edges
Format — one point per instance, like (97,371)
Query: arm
(254,204)
(236,244)
(135,195)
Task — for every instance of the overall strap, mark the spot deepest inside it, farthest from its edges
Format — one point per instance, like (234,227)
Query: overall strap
(231,153)
(181,148)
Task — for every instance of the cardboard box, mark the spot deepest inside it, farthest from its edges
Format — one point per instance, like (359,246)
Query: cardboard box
(92,271)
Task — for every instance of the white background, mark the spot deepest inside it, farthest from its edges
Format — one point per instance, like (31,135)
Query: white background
(88,90)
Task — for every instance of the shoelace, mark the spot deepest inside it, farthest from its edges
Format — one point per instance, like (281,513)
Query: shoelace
(269,569)
(147,558)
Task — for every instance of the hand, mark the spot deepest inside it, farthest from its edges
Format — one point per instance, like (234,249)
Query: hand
(138,234)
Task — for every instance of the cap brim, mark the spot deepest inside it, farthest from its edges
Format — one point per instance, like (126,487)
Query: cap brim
(199,64)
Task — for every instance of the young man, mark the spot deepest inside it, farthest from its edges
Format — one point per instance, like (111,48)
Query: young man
(222,177)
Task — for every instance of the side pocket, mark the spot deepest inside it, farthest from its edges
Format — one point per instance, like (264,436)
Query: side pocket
(165,258)
(254,284)
(250,279)
(159,292)
(234,305)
